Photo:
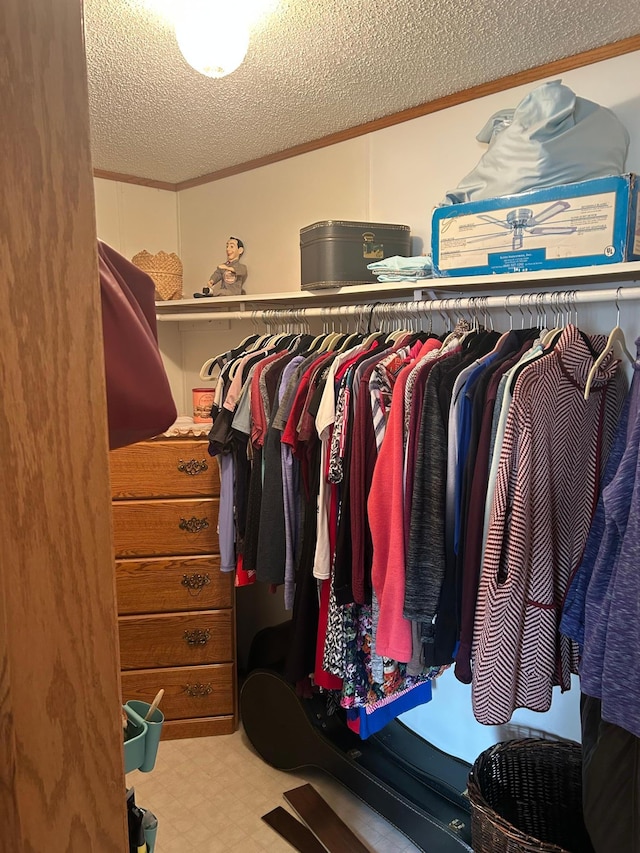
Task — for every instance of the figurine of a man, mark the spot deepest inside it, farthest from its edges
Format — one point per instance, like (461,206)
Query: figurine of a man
(228,278)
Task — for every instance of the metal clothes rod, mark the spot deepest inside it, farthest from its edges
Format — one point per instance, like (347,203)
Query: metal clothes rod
(552,299)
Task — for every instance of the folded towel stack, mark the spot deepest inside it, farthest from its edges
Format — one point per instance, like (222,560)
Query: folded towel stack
(398,268)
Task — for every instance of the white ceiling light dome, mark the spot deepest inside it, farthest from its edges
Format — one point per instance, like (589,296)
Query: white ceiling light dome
(213,36)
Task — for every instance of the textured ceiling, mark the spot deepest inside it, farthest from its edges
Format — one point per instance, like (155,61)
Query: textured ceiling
(314,67)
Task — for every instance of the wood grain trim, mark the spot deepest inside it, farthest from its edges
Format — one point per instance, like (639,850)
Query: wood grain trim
(321,819)
(166,528)
(215,681)
(10,805)
(295,833)
(132,179)
(560,66)
(61,770)
(162,469)
(202,727)
(173,584)
(158,641)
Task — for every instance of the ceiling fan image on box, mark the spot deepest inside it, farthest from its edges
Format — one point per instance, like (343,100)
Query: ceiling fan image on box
(522,222)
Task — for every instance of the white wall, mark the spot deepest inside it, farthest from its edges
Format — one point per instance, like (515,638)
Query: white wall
(131,218)
(415,163)
(266,208)
(393,175)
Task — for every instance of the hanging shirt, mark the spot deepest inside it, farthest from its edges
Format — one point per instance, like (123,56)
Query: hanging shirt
(272,546)
(475,523)
(552,457)
(362,464)
(463,428)
(601,549)
(503,401)
(414,398)
(393,636)
(573,613)
(427,554)
(621,676)
(325,418)
(608,669)
(290,481)
(226,526)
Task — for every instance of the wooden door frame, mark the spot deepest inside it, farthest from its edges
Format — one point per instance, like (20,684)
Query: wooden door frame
(61,770)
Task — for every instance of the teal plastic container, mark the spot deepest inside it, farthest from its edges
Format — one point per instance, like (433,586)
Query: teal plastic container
(141,751)
(134,747)
(150,837)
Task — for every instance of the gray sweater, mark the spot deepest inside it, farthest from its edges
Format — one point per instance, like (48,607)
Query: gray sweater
(227,283)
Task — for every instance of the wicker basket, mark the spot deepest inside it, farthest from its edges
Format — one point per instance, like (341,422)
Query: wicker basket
(526,797)
(166,272)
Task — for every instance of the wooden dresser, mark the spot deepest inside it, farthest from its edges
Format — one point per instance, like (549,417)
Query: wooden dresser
(176,609)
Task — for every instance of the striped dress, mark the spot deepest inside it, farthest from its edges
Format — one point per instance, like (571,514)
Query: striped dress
(554,450)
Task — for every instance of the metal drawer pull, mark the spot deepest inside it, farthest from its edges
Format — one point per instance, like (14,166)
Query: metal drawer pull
(193,525)
(195,583)
(198,691)
(192,467)
(197,637)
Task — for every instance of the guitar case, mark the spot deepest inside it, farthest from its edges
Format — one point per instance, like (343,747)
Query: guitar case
(415,786)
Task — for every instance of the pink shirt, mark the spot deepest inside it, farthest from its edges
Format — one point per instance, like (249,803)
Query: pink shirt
(386,520)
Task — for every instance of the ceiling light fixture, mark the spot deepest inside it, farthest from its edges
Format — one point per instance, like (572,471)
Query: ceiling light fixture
(212,35)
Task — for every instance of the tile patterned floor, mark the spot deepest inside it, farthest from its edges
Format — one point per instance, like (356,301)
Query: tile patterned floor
(209,795)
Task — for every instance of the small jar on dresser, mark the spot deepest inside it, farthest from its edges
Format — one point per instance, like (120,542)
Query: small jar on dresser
(176,610)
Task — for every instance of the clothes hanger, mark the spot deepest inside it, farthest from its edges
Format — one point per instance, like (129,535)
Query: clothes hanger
(315,344)
(615,342)
(206,371)
(370,336)
(345,342)
(330,339)
(300,332)
(327,343)
(398,334)
(459,332)
(548,334)
(388,319)
(318,345)
(352,340)
(339,344)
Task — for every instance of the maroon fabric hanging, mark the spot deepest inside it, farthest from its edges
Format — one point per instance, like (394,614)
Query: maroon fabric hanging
(139,400)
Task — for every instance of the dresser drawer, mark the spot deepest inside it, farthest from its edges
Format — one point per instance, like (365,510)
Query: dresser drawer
(176,640)
(165,585)
(157,469)
(198,691)
(165,528)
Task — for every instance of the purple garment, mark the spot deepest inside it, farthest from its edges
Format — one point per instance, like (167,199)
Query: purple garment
(464,438)
(609,667)
(226,525)
(600,539)
(290,493)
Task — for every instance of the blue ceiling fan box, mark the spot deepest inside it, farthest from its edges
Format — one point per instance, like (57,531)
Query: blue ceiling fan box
(588,223)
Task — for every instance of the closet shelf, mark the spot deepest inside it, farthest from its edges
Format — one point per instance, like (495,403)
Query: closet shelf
(218,307)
